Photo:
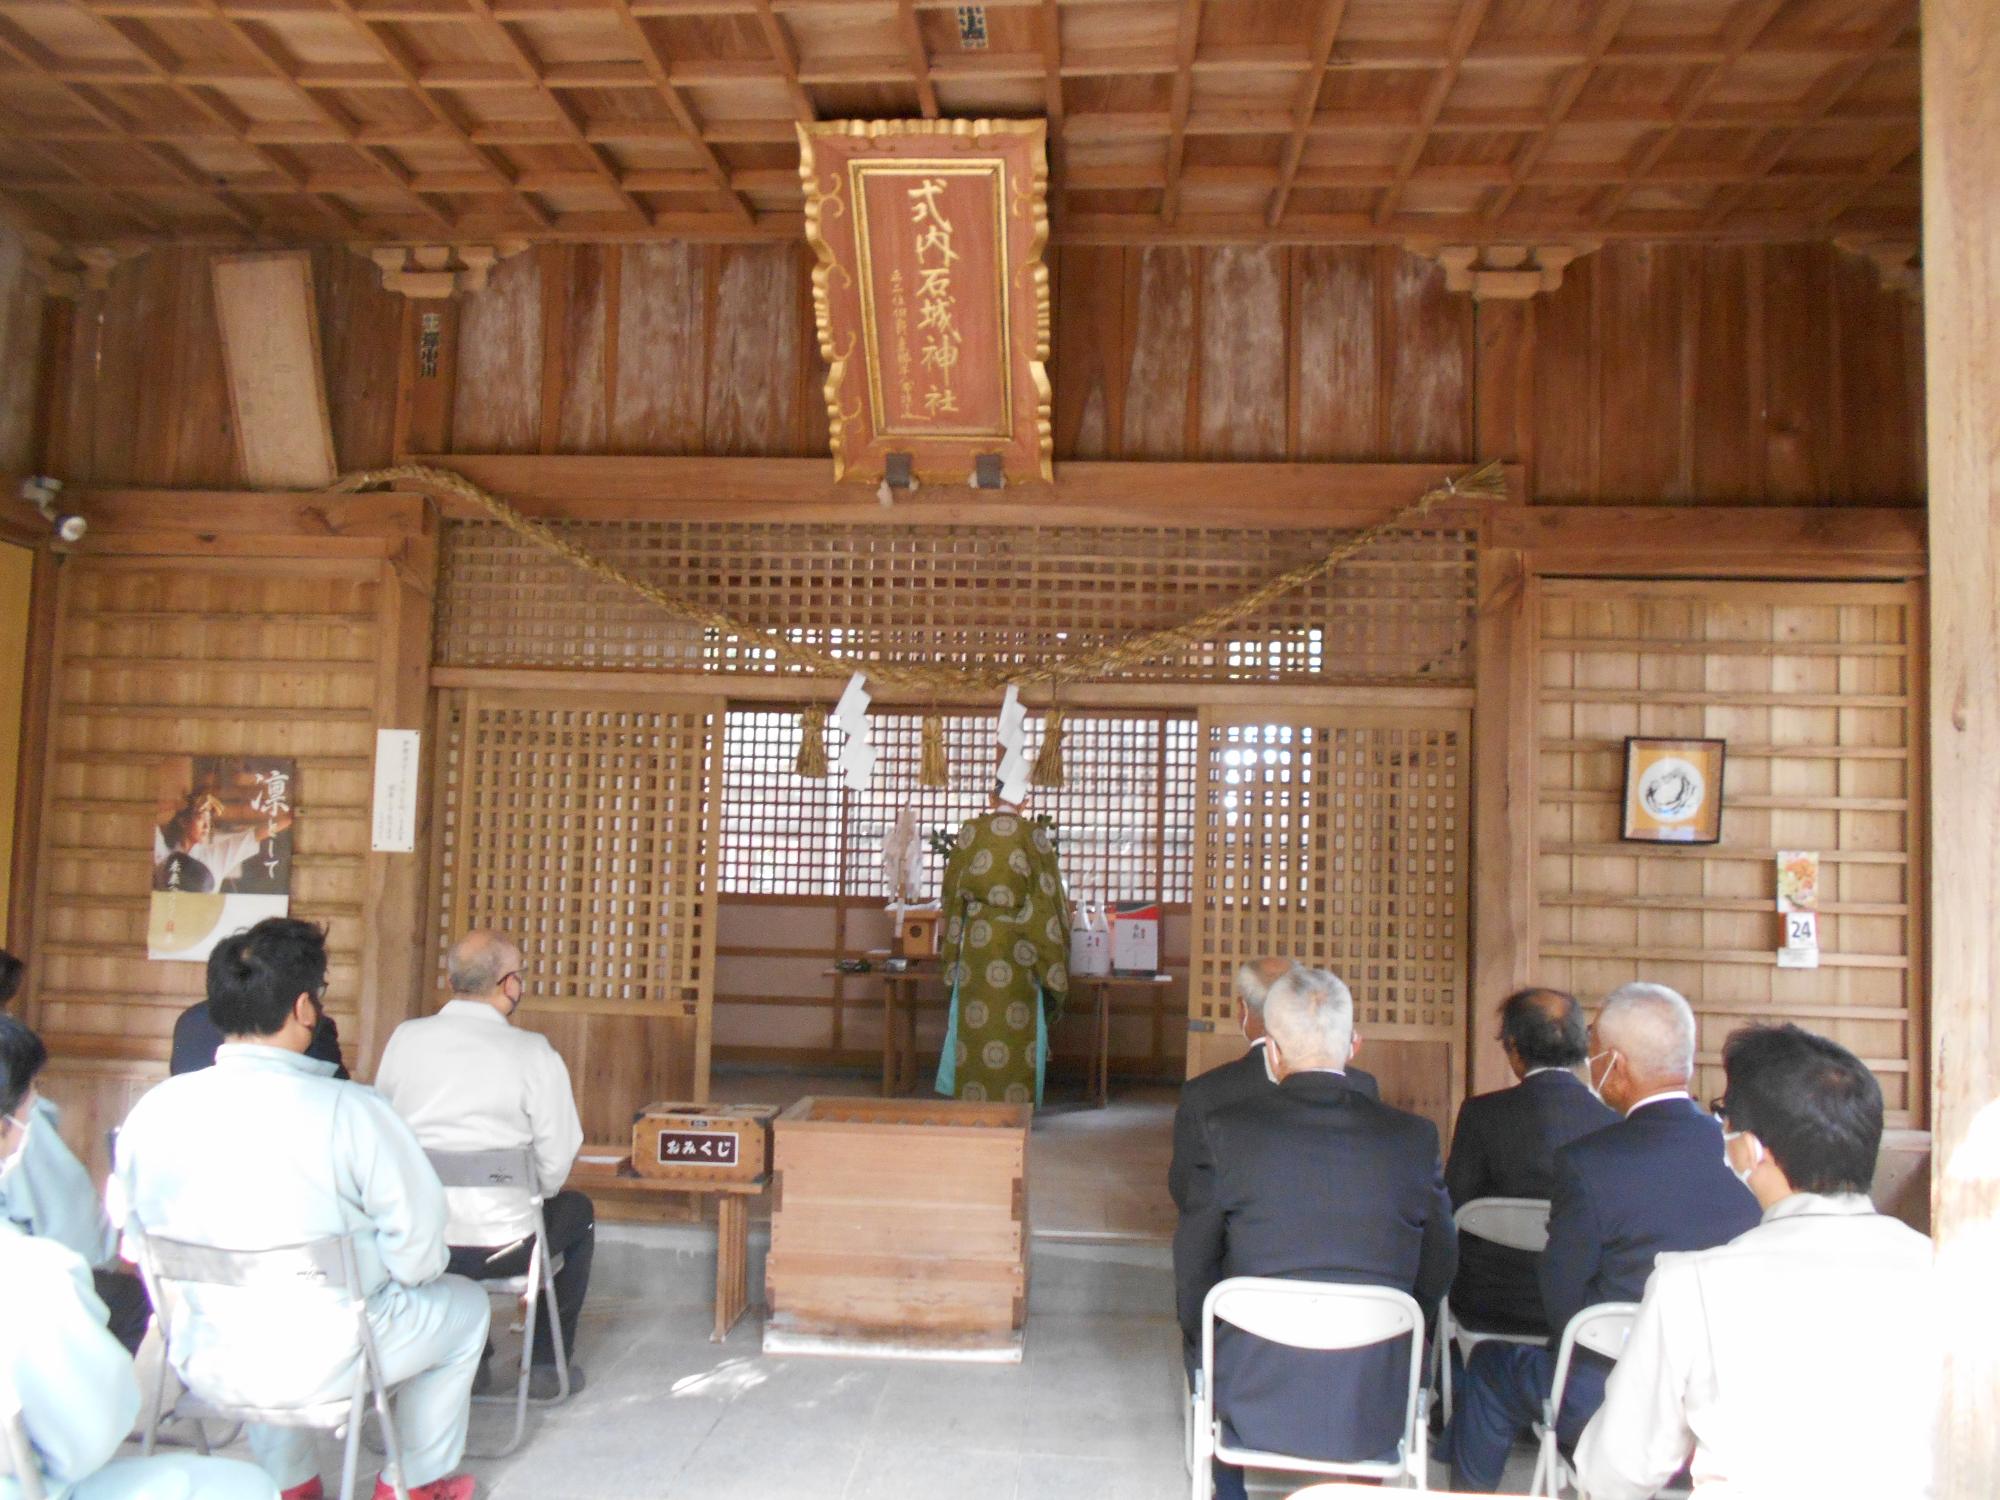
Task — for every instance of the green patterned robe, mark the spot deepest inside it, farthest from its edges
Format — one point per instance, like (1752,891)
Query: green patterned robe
(1006,958)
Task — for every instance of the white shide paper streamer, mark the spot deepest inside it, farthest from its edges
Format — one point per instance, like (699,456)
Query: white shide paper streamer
(857,754)
(1013,741)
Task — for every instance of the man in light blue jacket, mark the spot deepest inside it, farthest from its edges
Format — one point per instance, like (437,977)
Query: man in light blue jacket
(60,1368)
(266,1149)
(48,1193)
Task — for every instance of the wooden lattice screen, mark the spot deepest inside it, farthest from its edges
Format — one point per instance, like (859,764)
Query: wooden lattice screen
(1814,688)
(1402,612)
(1124,817)
(1338,837)
(581,824)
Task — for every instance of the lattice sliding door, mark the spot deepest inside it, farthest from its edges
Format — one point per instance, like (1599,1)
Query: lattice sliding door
(583,826)
(1340,837)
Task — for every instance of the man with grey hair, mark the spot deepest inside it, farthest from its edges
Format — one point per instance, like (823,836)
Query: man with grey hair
(467,1079)
(1654,1181)
(1244,1077)
(1312,1180)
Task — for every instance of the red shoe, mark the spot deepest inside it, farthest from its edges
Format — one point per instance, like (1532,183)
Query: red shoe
(312,1489)
(453,1487)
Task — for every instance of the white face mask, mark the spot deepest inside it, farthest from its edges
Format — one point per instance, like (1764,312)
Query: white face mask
(13,1162)
(1756,1154)
(1590,1078)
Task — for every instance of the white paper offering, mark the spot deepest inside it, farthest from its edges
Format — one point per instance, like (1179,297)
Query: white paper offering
(857,754)
(1013,741)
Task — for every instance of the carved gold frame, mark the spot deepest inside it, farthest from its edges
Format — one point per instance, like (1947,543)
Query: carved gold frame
(827,197)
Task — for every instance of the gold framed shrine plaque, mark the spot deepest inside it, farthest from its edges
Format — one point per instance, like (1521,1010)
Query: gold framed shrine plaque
(931,294)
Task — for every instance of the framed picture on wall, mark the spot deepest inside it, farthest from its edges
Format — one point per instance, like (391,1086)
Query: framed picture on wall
(1673,791)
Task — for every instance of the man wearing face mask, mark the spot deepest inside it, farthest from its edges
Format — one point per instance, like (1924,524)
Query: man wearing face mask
(1312,1180)
(468,1079)
(267,1149)
(1652,1182)
(1733,1356)
(77,1391)
(47,1193)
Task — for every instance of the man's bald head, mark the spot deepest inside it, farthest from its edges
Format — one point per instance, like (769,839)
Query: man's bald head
(1253,984)
(1542,1028)
(1652,1030)
(479,961)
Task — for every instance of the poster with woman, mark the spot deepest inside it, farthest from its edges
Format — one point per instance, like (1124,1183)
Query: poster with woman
(222,849)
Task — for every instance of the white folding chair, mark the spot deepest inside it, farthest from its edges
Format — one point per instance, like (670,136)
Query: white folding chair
(1309,1315)
(514,1167)
(17,1453)
(1602,1328)
(324,1267)
(1518,1224)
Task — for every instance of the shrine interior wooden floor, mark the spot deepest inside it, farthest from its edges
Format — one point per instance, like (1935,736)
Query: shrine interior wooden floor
(1092,1173)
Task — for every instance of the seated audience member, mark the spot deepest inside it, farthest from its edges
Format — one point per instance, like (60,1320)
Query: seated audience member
(466,1079)
(196,1036)
(1801,1358)
(1653,1181)
(1504,1147)
(77,1390)
(48,1193)
(1249,1074)
(1312,1181)
(267,1149)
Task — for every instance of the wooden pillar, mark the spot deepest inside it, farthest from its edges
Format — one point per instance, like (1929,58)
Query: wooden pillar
(1961,141)
(1504,732)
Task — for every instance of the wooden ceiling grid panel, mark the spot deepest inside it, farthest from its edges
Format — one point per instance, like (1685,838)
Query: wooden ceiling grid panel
(1302,120)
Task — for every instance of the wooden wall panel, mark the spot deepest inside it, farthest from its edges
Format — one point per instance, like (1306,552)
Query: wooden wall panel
(20,353)
(499,402)
(196,656)
(662,329)
(1816,687)
(1656,373)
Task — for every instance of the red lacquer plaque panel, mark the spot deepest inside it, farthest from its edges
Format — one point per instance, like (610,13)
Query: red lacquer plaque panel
(931,294)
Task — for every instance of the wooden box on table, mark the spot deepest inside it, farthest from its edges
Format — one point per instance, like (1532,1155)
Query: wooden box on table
(899,1228)
(699,1144)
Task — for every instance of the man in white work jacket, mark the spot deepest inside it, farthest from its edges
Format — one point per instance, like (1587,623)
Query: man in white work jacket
(468,1079)
(1802,1357)
(267,1149)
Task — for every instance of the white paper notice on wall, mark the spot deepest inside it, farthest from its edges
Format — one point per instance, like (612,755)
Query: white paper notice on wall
(397,752)
(1801,950)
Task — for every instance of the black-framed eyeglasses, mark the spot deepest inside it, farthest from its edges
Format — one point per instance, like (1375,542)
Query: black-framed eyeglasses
(511,974)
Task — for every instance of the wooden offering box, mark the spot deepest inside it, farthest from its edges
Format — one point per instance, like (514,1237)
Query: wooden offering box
(899,1229)
(701,1144)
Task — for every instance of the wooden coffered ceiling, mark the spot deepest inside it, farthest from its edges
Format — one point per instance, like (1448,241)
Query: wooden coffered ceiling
(1343,120)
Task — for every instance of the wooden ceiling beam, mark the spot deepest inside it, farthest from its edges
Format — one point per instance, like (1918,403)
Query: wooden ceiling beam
(31,57)
(1830,90)
(1610,18)
(920,62)
(1738,38)
(1306,105)
(1841,197)
(670,95)
(1186,39)
(532,75)
(405,67)
(1471,16)
(786,53)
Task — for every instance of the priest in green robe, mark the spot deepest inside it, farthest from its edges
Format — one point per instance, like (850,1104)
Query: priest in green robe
(1006,957)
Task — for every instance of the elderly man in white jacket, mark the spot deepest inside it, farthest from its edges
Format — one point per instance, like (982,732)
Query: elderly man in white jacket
(265,1149)
(1800,1358)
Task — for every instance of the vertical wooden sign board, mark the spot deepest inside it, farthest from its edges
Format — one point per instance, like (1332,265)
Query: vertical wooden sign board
(931,294)
(277,387)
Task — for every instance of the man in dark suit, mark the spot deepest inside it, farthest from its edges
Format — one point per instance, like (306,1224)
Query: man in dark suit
(1654,1181)
(1246,1077)
(1504,1147)
(196,1037)
(1313,1181)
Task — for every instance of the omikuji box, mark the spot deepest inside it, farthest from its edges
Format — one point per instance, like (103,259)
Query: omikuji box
(703,1143)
